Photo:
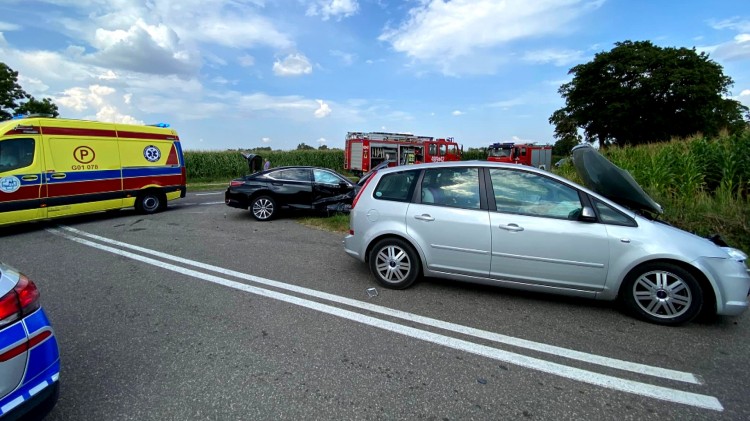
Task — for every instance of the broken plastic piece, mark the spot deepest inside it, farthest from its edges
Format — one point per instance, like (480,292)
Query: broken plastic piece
(372,292)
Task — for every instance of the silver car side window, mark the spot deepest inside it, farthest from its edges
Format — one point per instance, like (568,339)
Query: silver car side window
(532,194)
(453,187)
(397,186)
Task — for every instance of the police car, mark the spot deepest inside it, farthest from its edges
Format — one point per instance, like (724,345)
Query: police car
(29,357)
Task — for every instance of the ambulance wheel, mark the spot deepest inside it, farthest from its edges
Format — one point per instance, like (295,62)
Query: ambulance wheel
(263,208)
(150,202)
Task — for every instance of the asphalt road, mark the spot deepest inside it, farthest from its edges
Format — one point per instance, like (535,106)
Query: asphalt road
(200,312)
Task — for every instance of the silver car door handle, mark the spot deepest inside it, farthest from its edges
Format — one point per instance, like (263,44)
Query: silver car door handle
(511,227)
(424,217)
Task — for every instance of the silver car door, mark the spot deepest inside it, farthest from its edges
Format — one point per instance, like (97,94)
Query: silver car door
(448,223)
(537,238)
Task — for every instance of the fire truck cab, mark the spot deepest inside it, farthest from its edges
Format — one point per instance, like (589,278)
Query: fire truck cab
(539,156)
(364,151)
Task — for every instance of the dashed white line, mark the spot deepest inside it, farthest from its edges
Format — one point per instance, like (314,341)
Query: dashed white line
(602,380)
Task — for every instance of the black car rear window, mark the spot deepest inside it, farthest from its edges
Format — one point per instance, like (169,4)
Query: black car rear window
(396,186)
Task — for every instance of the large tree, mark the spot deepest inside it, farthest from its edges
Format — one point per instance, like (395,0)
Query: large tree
(14,100)
(638,93)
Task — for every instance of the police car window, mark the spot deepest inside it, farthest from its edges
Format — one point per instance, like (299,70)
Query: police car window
(326,177)
(16,153)
(453,187)
(396,186)
(610,215)
(526,193)
(292,174)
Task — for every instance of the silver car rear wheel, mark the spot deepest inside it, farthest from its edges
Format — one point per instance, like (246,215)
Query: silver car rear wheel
(263,208)
(663,293)
(394,263)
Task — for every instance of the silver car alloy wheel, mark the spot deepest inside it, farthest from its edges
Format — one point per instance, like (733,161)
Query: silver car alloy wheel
(392,264)
(263,208)
(662,294)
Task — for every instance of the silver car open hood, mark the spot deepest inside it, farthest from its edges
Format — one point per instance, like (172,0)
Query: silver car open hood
(611,181)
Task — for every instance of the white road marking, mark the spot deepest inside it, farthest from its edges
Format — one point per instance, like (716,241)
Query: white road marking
(602,380)
(212,203)
(208,194)
(453,327)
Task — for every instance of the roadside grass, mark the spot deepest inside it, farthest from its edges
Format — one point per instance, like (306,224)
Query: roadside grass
(335,223)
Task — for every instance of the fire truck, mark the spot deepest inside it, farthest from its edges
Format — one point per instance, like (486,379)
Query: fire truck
(364,151)
(539,156)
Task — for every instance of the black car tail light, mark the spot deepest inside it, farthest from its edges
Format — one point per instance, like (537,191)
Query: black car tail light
(235,183)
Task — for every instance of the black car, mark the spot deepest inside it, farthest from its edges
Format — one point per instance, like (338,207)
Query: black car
(265,192)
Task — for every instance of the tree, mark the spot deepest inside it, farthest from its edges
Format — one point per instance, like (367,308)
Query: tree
(638,93)
(302,146)
(14,100)
(32,106)
(566,133)
(323,147)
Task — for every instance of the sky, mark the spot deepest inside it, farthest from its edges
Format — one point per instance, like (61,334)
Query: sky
(241,74)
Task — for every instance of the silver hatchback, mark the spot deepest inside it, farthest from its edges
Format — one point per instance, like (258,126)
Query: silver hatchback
(525,228)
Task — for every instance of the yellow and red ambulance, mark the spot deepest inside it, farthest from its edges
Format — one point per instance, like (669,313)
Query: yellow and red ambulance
(53,167)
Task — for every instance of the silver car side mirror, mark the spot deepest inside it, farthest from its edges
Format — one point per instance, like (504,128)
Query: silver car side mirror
(587,214)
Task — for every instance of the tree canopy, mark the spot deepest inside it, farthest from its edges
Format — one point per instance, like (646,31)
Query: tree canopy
(14,100)
(638,93)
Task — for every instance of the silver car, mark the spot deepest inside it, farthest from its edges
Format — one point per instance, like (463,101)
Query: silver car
(525,228)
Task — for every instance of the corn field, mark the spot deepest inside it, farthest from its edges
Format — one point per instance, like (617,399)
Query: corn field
(701,183)
(223,166)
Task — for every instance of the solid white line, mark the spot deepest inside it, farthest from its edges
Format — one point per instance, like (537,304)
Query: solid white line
(611,382)
(453,327)
(208,194)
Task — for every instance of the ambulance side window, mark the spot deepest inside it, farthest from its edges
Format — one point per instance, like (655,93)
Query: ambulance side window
(16,153)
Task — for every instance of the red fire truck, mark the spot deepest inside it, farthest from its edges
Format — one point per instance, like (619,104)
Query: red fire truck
(539,156)
(364,151)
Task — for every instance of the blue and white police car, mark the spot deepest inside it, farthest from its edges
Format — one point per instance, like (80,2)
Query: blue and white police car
(29,357)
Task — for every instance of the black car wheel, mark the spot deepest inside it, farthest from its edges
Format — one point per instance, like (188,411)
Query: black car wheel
(263,208)
(662,293)
(394,263)
(150,202)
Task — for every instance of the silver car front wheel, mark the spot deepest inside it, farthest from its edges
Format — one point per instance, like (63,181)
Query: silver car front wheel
(394,263)
(663,293)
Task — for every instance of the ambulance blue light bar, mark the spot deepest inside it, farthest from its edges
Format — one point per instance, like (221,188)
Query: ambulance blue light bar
(162,125)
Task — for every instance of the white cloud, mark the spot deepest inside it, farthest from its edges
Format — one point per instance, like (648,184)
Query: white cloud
(556,57)
(322,141)
(338,9)
(464,35)
(246,60)
(97,97)
(108,75)
(32,85)
(737,49)
(346,58)
(457,113)
(735,23)
(292,65)
(143,48)
(323,109)
(7,26)
(265,139)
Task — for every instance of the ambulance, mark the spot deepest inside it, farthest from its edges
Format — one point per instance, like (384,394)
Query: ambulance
(53,167)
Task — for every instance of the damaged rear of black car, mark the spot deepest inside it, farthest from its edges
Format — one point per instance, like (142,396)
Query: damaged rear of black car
(265,193)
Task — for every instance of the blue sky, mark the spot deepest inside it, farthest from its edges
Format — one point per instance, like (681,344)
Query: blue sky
(249,73)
